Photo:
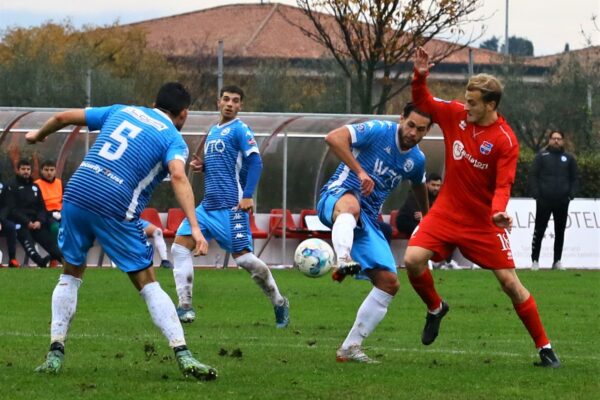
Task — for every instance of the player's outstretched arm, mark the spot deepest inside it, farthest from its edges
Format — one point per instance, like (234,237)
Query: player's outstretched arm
(422,63)
(55,123)
(339,140)
(185,197)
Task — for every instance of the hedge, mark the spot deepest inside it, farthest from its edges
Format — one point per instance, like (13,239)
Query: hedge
(589,174)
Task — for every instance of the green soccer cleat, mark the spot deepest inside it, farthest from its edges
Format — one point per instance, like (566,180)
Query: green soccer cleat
(53,362)
(189,366)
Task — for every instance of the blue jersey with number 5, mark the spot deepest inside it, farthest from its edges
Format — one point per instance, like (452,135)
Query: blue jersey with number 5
(129,158)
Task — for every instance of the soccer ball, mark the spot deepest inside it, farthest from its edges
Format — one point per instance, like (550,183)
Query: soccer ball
(314,257)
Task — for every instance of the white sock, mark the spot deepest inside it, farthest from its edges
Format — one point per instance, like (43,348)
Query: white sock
(183,272)
(159,244)
(369,315)
(163,313)
(262,276)
(342,235)
(64,304)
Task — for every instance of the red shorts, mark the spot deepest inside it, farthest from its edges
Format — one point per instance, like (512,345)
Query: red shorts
(486,246)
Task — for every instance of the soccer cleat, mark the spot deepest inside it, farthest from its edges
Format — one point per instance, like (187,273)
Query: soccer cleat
(53,362)
(535,265)
(451,265)
(13,263)
(558,266)
(282,314)
(350,268)
(166,264)
(189,366)
(548,359)
(186,315)
(432,324)
(353,354)
(43,263)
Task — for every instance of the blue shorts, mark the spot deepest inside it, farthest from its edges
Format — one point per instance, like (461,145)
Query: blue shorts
(123,241)
(370,248)
(230,228)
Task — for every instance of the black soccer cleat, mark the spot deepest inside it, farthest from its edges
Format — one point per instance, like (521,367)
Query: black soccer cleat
(547,359)
(432,324)
(340,273)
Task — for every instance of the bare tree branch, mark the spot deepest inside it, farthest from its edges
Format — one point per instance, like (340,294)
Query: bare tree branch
(371,39)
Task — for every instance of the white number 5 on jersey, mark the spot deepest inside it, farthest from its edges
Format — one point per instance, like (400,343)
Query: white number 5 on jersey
(123,131)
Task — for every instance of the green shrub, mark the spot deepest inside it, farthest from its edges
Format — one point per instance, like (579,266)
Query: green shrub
(589,174)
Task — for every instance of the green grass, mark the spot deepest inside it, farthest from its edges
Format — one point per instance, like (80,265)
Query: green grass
(483,351)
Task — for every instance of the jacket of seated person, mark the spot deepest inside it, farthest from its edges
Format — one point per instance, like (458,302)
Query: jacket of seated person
(28,202)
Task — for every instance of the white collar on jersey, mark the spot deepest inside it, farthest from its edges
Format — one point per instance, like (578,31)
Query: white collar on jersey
(227,123)
(164,114)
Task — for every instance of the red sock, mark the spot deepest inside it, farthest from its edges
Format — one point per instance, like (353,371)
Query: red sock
(528,313)
(423,285)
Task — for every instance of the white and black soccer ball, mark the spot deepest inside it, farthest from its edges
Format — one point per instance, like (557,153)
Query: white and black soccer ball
(314,257)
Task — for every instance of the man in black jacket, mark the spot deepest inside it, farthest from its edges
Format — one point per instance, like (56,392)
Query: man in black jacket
(7,227)
(29,211)
(554,182)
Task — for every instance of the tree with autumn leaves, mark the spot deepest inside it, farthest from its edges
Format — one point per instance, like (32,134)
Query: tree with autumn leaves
(48,66)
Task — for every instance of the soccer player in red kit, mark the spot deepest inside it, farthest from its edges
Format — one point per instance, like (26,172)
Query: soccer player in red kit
(470,212)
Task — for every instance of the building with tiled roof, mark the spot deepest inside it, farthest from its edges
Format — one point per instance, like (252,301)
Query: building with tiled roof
(263,31)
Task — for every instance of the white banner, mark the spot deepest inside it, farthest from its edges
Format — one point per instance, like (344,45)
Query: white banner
(582,236)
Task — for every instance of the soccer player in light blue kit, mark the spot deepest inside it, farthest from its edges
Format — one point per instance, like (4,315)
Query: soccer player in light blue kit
(154,232)
(232,168)
(134,151)
(376,156)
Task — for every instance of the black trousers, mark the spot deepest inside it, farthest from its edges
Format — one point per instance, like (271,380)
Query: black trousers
(44,237)
(10,233)
(559,211)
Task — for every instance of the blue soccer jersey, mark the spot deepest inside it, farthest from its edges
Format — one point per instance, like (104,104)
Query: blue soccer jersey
(224,151)
(376,147)
(129,158)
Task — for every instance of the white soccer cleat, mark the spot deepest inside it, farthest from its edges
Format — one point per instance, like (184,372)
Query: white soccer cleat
(558,265)
(535,266)
(353,353)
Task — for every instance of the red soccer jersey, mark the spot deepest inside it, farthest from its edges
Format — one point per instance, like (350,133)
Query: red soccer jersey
(481,161)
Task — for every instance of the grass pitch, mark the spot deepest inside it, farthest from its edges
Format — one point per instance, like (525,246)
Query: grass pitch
(483,351)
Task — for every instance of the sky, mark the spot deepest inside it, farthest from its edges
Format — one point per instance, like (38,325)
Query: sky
(549,24)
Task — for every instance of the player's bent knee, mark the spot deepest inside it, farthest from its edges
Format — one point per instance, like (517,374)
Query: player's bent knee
(185,241)
(414,264)
(390,286)
(385,280)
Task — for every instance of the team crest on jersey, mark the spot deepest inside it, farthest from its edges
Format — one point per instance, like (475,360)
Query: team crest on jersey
(360,127)
(563,158)
(485,148)
(408,165)
(225,131)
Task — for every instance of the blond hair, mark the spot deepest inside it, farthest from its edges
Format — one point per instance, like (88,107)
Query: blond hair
(489,86)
